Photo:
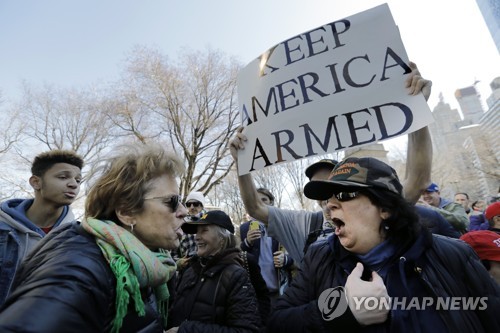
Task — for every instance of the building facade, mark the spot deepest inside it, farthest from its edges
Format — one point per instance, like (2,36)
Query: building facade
(466,151)
(470,103)
(490,9)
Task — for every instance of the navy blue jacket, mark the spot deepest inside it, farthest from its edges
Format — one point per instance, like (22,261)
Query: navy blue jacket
(478,222)
(433,266)
(66,285)
(254,248)
(435,222)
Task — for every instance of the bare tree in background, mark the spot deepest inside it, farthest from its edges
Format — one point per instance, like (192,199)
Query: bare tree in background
(274,179)
(297,180)
(131,114)
(480,176)
(65,119)
(226,196)
(488,151)
(11,128)
(194,105)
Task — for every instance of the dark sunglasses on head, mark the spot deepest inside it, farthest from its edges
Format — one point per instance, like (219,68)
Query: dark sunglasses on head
(172,202)
(194,204)
(346,196)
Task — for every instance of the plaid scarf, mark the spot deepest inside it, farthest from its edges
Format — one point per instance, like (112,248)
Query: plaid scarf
(135,267)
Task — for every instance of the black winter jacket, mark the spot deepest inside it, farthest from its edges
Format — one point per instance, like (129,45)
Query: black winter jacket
(435,222)
(250,263)
(436,266)
(216,297)
(66,285)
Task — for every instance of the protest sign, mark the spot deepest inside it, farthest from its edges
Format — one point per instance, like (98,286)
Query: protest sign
(331,88)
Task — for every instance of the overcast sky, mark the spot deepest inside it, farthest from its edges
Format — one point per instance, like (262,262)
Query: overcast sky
(79,42)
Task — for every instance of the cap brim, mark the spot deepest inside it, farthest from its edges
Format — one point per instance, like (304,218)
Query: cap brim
(191,227)
(324,189)
(311,170)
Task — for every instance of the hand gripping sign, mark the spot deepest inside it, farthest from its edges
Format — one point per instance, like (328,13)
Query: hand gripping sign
(331,88)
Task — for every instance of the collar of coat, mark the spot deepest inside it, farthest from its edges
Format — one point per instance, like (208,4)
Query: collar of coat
(213,264)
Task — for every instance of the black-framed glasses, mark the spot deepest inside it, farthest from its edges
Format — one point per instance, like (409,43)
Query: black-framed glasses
(193,203)
(346,196)
(173,201)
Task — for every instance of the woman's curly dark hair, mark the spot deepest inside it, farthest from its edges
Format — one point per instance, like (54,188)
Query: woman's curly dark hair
(403,223)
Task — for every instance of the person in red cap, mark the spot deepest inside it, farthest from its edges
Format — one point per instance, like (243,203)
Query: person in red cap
(486,243)
(492,214)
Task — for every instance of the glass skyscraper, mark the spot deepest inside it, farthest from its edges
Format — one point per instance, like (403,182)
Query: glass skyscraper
(491,14)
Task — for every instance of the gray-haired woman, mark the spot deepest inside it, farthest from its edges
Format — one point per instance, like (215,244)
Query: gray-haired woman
(214,292)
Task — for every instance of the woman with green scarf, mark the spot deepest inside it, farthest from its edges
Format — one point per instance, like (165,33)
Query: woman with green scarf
(108,273)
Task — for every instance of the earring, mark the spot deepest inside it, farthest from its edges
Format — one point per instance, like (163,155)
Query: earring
(132,228)
(384,224)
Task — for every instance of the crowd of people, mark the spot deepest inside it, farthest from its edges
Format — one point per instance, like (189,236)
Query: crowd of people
(144,259)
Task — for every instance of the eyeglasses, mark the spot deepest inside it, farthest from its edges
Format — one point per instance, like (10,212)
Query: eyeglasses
(172,202)
(194,204)
(346,196)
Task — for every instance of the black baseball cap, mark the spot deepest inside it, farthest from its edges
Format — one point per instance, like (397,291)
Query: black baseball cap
(216,217)
(324,163)
(354,173)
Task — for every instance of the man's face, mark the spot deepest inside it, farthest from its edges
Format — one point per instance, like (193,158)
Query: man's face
(194,207)
(59,186)
(264,198)
(432,198)
(480,206)
(462,199)
(496,222)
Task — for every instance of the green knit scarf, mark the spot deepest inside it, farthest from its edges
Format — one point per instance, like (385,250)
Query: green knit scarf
(135,267)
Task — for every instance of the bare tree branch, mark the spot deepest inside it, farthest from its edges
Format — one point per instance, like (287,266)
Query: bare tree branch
(67,119)
(194,104)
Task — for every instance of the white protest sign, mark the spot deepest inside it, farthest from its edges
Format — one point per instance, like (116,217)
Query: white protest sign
(338,86)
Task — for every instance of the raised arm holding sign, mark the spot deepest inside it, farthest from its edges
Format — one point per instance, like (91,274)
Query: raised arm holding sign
(332,88)
(293,226)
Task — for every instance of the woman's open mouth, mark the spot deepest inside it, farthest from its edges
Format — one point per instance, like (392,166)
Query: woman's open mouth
(339,224)
(179,232)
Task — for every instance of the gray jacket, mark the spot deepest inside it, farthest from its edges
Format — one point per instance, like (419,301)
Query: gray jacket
(18,236)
